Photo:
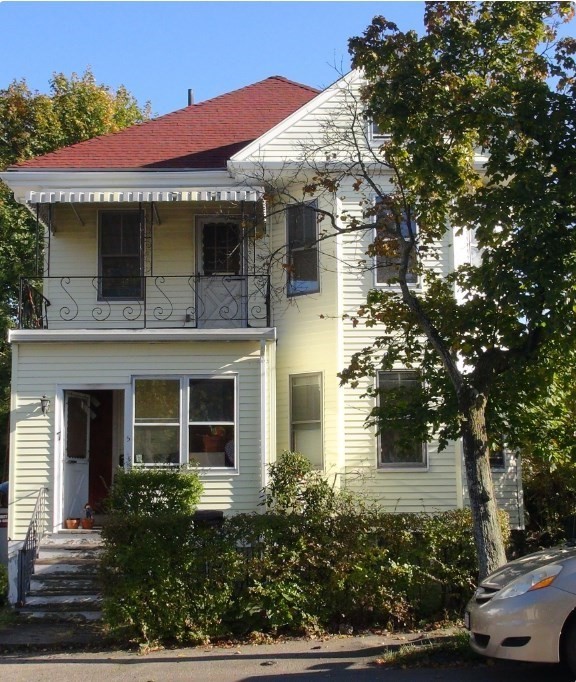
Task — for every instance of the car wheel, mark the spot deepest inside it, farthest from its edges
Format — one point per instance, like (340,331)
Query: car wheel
(568,649)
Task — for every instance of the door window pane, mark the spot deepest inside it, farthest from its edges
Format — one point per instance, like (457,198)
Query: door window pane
(221,248)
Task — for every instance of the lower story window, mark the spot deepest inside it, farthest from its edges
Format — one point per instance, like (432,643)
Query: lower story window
(306,416)
(397,448)
(185,420)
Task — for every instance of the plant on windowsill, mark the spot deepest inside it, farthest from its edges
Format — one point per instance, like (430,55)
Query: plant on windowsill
(214,441)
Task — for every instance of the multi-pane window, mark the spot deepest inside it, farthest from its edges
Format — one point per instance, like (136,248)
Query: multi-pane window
(185,420)
(306,416)
(397,448)
(120,258)
(221,249)
(302,240)
(387,248)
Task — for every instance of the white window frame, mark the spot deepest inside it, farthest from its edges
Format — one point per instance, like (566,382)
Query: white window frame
(289,250)
(319,421)
(421,466)
(375,135)
(184,420)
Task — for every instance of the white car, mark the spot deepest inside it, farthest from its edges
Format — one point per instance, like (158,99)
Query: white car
(526,610)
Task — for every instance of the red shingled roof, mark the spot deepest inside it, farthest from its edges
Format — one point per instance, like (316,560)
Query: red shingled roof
(203,135)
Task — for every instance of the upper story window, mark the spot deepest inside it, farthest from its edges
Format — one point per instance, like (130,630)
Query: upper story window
(498,456)
(388,258)
(376,134)
(306,416)
(302,240)
(120,255)
(396,449)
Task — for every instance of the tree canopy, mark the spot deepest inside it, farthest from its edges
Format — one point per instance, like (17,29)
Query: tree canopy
(76,108)
(481,124)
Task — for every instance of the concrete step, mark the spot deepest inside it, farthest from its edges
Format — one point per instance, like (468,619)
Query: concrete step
(79,535)
(55,584)
(59,616)
(64,587)
(63,602)
(67,567)
(65,553)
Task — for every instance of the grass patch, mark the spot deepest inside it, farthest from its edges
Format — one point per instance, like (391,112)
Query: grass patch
(451,651)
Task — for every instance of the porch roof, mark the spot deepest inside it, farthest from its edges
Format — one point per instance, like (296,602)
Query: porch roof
(50,187)
(157,195)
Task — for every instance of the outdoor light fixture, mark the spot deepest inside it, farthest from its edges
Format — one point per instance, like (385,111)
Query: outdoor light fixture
(45,404)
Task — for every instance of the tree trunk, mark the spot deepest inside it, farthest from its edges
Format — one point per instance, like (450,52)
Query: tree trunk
(486,525)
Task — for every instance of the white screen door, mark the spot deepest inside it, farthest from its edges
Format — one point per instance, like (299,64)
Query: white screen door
(221,299)
(76,452)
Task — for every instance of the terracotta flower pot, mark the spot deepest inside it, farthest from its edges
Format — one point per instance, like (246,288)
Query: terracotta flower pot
(87,523)
(72,524)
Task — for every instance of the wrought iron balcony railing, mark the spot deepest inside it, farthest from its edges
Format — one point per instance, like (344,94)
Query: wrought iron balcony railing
(159,301)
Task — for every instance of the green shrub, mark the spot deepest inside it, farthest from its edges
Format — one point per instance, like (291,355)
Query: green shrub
(316,559)
(151,492)
(149,549)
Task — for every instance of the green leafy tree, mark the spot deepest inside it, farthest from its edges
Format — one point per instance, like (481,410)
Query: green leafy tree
(31,123)
(480,114)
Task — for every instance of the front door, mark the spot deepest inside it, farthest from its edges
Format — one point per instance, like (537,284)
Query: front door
(76,452)
(220,294)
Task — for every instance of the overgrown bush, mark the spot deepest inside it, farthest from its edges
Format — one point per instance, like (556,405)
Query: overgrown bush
(155,492)
(316,559)
(149,547)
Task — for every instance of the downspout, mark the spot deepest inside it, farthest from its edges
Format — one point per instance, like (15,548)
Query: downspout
(267,405)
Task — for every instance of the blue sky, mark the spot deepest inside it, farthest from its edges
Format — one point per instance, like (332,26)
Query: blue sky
(160,49)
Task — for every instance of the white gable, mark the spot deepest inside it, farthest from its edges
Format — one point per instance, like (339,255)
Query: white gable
(305,130)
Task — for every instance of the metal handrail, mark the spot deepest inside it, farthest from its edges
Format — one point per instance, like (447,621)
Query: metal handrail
(29,551)
(32,307)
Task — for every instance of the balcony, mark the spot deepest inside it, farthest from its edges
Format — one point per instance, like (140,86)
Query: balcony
(152,302)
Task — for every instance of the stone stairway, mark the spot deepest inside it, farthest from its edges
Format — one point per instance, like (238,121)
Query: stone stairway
(64,587)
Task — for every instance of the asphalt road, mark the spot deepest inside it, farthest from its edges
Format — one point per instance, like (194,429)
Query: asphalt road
(340,660)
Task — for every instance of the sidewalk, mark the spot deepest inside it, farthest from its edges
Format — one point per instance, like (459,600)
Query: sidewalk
(16,637)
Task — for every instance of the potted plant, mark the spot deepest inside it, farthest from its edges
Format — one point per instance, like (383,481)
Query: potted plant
(88,520)
(72,524)
(214,441)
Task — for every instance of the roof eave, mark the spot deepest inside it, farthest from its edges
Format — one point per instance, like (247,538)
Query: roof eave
(51,186)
